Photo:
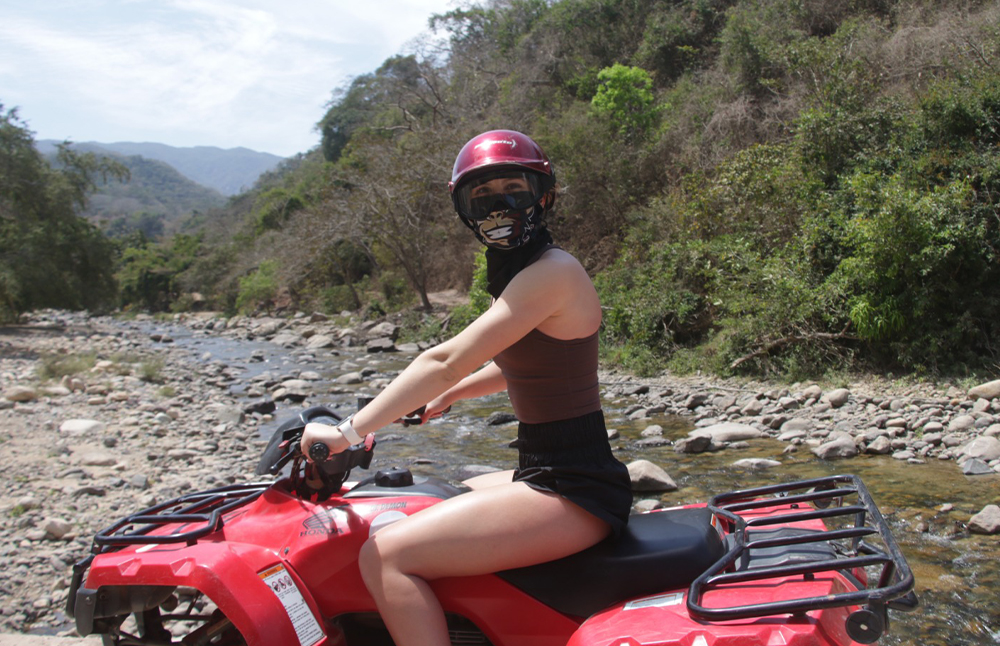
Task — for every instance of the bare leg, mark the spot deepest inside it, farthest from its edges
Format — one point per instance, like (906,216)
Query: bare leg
(490,479)
(485,530)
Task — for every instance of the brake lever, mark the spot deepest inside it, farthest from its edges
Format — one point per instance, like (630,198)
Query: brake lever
(283,460)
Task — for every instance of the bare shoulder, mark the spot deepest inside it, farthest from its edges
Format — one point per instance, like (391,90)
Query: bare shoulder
(559,263)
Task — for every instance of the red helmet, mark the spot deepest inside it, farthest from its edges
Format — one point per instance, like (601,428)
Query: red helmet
(498,148)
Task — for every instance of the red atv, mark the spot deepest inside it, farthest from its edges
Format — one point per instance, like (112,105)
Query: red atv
(275,564)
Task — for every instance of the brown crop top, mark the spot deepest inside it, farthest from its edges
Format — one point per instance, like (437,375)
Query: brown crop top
(551,379)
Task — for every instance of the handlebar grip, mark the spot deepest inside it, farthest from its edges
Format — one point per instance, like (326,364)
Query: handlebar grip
(319,452)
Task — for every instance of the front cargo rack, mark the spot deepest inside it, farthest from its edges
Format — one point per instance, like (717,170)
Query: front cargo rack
(196,514)
(845,548)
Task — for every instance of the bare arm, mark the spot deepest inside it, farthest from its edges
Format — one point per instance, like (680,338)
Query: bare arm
(486,381)
(539,293)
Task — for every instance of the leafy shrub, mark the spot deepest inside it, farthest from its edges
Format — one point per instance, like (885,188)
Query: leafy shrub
(479,298)
(624,96)
(258,287)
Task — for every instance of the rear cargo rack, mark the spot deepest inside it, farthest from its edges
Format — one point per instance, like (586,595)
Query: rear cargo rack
(196,514)
(845,549)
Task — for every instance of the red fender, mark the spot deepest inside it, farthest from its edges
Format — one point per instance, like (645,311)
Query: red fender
(229,574)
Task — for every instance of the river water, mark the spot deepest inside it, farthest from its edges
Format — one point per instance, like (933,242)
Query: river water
(957,574)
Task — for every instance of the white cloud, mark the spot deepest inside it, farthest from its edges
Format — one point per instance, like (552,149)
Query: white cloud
(194,72)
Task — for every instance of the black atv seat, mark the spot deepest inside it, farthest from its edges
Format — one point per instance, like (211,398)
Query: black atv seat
(657,552)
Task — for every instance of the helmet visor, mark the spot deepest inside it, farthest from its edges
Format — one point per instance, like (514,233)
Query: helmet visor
(514,190)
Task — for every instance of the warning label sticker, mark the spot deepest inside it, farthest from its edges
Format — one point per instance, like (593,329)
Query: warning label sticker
(307,629)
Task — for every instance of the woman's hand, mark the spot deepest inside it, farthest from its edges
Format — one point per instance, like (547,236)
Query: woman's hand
(435,408)
(329,435)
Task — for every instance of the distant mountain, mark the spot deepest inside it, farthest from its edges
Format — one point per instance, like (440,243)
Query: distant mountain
(156,199)
(228,171)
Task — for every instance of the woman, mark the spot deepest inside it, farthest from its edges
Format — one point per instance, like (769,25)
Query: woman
(541,333)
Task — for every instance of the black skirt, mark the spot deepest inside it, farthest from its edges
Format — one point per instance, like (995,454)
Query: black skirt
(572,458)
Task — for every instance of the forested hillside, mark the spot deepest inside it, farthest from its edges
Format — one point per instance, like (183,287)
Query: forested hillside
(226,170)
(758,186)
(154,199)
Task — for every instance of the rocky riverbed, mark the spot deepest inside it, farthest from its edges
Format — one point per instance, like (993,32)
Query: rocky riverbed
(100,417)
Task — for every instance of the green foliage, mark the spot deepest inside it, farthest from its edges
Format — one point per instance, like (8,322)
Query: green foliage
(258,288)
(148,272)
(624,95)
(479,298)
(49,257)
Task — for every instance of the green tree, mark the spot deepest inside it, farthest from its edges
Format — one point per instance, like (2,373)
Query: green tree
(49,256)
(625,96)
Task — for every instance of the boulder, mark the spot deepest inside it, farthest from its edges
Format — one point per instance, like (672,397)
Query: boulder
(961,423)
(80,427)
(976,467)
(879,446)
(651,430)
(320,341)
(841,445)
(646,476)
(755,464)
(986,448)
(838,397)
(384,344)
(986,521)
(384,329)
(20,394)
(989,390)
(98,459)
(499,417)
(728,432)
(693,444)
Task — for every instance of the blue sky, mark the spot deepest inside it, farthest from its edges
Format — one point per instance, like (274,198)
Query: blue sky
(226,73)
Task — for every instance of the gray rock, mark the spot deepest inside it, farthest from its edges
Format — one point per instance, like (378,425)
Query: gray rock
(693,444)
(798,424)
(989,390)
(499,417)
(975,467)
(320,341)
(986,521)
(80,427)
(20,394)
(904,455)
(381,345)
(647,476)
(838,397)
(812,392)
(139,481)
(651,430)
(647,505)
(350,378)
(384,329)
(879,446)
(752,408)
(262,406)
(728,432)
(985,448)
(650,442)
(57,528)
(933,427)
(961,423)
(98,459)
(755,464)
(841,446)
(694,401)
(788,403)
